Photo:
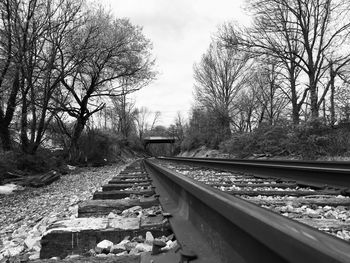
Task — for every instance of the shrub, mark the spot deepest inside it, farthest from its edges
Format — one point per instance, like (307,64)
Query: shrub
(309,140)
(265,139)
(98,147)
(18,162)
(190,142)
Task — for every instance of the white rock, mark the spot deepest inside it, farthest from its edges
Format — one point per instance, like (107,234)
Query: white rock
(73,256)
(37,247)
(327,208)
(127,223)
(123,242)
(7,189)
(289,208)
(111,215)
(31,241)
(104,245)
(134,251)
(141,247)
(34,233)
(70,167)
(311,213)
(34,256)
(21,232)
(5,253)
(330,215)
(340,196)
(172,245)
(169,245)
(132,210)
(149,238)
(14,251)
(17,241)
(122,253)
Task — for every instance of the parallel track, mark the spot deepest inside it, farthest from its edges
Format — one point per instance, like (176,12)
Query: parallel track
(219,227)
(308,173)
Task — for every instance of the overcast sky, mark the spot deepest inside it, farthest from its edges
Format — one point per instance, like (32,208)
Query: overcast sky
(180,31)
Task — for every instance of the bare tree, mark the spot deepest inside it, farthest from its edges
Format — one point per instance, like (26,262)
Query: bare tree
(105,52)
(156,117)
(141,121)
(126,113)
(218,78)
(304,35)
(42,43)
(145,122)
(180,126)
(267,83)
(32,35)
(8,88)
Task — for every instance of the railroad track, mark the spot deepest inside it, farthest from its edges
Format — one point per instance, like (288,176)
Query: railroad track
(122,223)
(304,172)
(202,221)
(237,230)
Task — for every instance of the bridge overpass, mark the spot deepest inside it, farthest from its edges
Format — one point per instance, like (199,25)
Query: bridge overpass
(158,139)
(155,140)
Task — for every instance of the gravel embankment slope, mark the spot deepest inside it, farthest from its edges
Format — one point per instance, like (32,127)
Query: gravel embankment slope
(21,211)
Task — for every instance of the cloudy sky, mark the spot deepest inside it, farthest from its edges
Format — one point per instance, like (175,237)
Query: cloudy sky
(181,31)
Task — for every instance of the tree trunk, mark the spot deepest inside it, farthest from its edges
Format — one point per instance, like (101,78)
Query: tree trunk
(313,98)
(324,109)
(74,147)
(6,118)
(332,106)
(24,125)
(5,138)
(295,106)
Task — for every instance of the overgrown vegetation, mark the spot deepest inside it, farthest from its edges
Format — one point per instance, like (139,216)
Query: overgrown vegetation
(310,140)
(279,86)
(22,164)
(66,69)
(64,61)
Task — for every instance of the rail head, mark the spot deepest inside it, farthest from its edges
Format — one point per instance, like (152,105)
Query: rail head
(264,235)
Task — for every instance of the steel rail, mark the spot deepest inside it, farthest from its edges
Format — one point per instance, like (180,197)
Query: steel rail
(220,227)
(320,164)
(303,173)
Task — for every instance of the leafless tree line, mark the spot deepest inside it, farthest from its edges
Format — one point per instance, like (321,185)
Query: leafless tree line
(291,64)
(62,60)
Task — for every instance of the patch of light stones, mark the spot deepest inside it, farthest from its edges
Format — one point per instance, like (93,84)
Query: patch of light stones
(26,245)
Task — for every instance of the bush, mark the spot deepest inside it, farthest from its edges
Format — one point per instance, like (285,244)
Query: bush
(190,142)
(43,161)
(265,139)
(98,147)
(308,140)
(314,139)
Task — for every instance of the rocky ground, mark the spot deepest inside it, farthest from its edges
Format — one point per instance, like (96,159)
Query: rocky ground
(25,214)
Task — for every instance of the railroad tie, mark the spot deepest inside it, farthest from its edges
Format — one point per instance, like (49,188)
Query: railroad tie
(113,214)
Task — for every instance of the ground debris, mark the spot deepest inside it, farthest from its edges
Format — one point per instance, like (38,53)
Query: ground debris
(25,215)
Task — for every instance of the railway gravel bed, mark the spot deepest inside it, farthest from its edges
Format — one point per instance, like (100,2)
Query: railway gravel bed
(128,226)
(323,208)
(27,213)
